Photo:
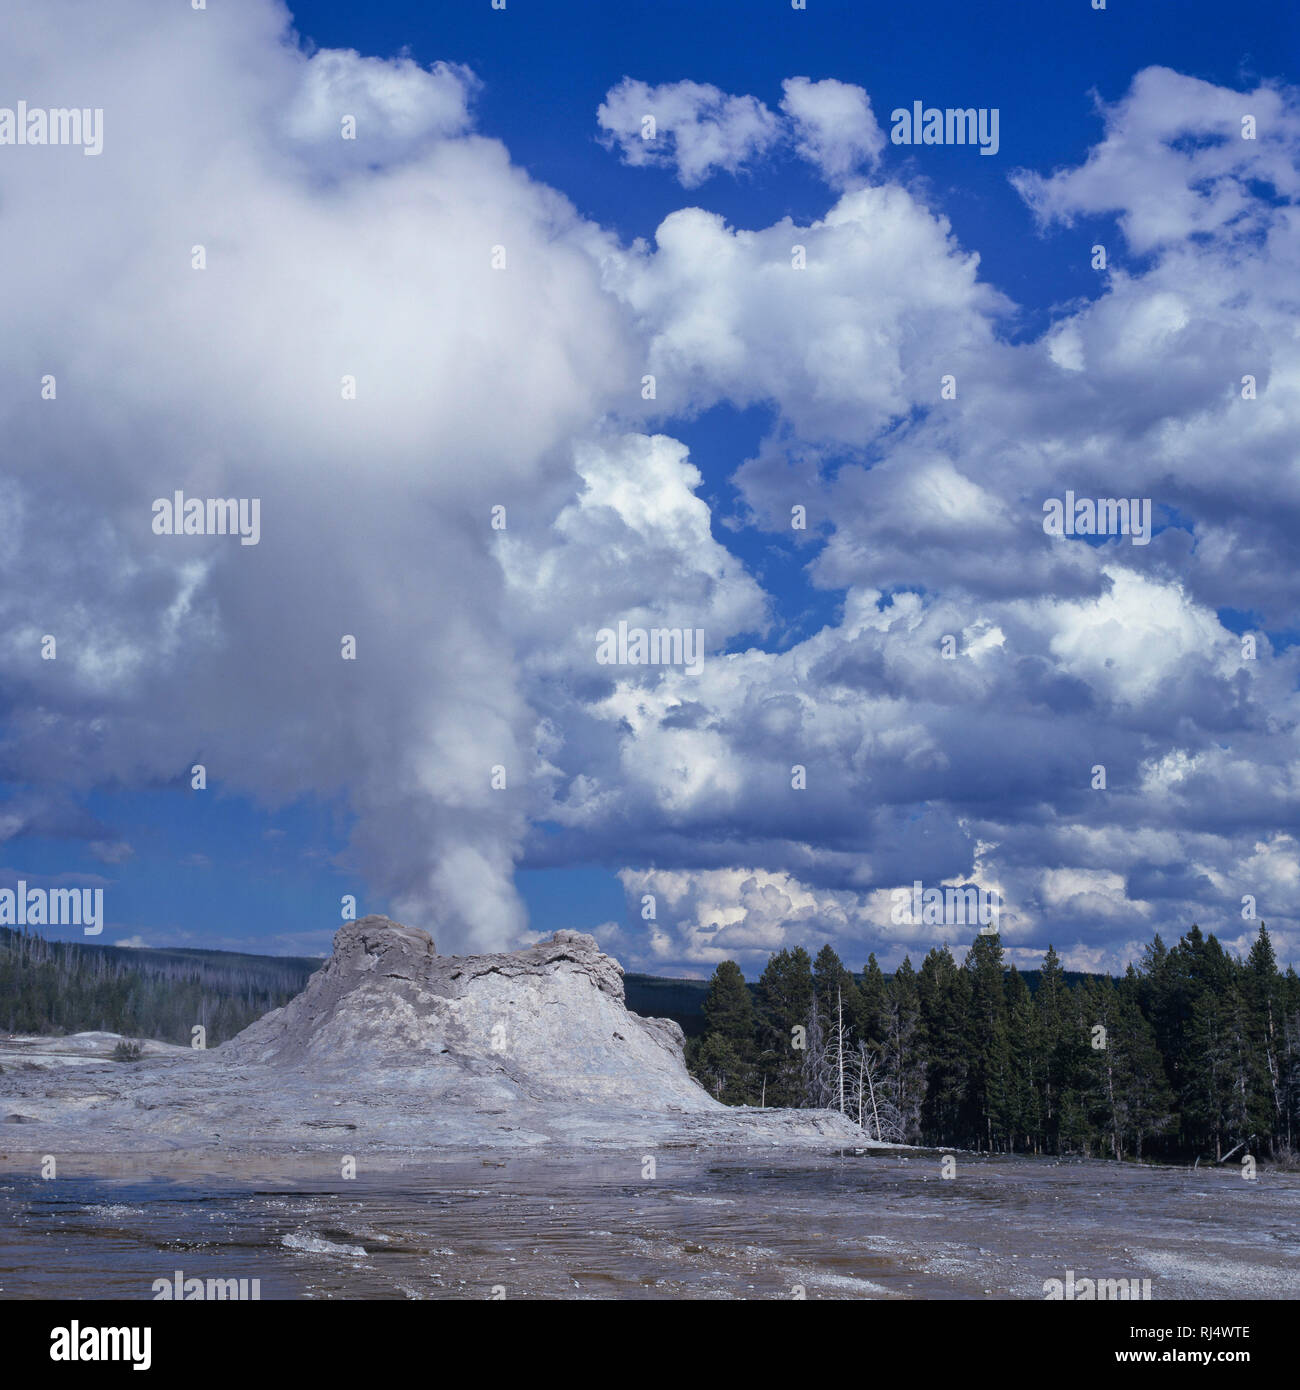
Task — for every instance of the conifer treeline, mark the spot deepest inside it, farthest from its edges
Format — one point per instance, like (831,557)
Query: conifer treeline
(54,987)
(1192,1052)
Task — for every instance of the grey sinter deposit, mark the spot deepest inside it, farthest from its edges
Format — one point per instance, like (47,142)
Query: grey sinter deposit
(392,1049)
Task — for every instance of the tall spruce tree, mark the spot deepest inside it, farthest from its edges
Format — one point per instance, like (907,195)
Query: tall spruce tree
(833,982)
(988,1087)
(1205,1050)
(1025,1041)
(944,993)
(729,1007)
(1051,1002)
(905,1067)
(871,1020)
(785,992)
(1144,1100)
(1262,988)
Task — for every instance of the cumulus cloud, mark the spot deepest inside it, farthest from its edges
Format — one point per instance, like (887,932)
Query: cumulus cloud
(391,108)
(635,544)
(698,130)
(1180,157)
(692,127)
(947,719)
(834,127)
(881,303)
(1067,656)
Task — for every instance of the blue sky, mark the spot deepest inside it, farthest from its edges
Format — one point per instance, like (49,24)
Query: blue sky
(99,791)
(547,66)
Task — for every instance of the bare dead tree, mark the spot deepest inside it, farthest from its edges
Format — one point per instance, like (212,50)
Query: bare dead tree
(827,1069)
(816,1074)
(877,1113)
(839,1043)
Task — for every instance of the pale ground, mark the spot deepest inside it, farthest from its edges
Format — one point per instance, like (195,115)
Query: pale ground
(187,1161)
(184,1111)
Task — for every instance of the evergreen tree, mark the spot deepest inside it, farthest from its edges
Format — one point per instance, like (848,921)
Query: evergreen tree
(1028,1053)
(724,1060)
(1075,1066)
(1262,989)
(1144,1105)
(1204,1043)
(944,994)
(988,1086)
(871,1020)
(1289,1060)
(729,1007)
(785,992)
(717,1065)
(904,1058)
(834,986)
(1051,1003)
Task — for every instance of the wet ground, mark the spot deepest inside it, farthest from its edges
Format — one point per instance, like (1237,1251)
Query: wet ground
(879,1224)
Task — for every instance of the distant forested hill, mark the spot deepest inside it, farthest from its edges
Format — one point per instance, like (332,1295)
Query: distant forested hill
(683,1000)
(74,987)
(680,1000)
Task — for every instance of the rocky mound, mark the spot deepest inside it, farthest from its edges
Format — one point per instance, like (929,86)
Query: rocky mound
(549,1021)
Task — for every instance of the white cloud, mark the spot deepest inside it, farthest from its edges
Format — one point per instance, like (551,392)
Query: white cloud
(697,128)
(521,387)
(394,105)
(635,544)
(111,851)
(1137,637)
(886,304)
(834,127)
(1174,162)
